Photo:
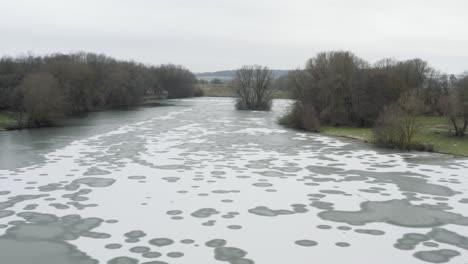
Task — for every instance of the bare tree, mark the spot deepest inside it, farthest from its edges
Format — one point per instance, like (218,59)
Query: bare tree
(455,107)
(410,106)
(397,124)
(253,87)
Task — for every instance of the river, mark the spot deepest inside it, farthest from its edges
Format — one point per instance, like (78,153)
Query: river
(199,182)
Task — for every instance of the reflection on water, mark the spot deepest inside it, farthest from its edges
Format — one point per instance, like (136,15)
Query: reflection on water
(199,182)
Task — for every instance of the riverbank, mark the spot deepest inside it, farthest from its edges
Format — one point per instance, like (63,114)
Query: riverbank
(434,130)
(6,121)
(223,90)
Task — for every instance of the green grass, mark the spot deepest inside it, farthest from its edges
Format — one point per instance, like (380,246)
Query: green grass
(223,90)
(5,120)
(216,90)
(364,134)
(281,94)
(434,130)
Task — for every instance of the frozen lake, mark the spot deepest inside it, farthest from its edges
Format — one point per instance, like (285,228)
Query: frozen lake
(201,183)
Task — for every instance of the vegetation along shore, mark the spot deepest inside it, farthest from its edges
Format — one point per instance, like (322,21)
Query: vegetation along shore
(38,91)
(406,105)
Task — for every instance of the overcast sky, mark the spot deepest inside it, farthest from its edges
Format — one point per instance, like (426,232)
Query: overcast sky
(210,35)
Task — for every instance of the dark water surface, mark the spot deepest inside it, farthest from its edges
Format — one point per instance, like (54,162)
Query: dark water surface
(198,182)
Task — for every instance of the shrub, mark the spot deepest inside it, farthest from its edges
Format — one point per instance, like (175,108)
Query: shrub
(397,124)
(301,117)
(198,92)
(387,129)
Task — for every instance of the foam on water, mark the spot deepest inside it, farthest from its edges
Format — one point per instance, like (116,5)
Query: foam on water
(199,182)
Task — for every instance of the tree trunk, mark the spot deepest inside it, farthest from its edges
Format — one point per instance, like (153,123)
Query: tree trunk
(455,126)
(463,130)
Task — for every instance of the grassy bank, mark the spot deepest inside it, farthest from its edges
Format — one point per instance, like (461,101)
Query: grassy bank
(434,130)
(216,90)
(6,120)
(223,90)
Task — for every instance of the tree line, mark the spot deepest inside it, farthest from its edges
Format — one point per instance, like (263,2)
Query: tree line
(338,88)
(40,90)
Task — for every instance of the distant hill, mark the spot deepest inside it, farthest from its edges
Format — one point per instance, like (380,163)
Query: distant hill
(228,75)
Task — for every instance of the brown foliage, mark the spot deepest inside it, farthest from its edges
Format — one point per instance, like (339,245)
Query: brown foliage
(302,117)
(397,124)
